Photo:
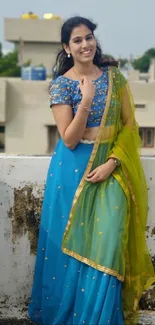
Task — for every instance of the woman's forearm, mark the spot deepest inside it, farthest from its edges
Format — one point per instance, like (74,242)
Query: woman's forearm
(76,129)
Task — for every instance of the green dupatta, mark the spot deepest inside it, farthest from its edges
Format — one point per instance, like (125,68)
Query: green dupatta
(106,227)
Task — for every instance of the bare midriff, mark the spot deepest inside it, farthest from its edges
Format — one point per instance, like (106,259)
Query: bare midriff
(90,133)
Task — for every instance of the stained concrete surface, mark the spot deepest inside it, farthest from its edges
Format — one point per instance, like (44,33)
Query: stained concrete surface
(146,318)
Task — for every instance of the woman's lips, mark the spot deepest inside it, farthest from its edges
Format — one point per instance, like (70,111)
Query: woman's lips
(87,52)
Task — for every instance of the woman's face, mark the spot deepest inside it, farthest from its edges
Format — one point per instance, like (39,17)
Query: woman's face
(82,44)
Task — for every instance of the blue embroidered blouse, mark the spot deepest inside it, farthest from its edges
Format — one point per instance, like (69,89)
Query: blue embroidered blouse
(65,91)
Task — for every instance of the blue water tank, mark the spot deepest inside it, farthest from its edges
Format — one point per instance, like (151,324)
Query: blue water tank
(33,73)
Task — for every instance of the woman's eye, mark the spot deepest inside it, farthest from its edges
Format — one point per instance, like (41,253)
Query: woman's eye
(78,41)
(89,37)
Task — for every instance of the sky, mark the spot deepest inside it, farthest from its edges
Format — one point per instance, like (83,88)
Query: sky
(124,27)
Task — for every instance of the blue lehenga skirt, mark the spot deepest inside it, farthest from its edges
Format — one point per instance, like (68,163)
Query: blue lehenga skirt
(66,291)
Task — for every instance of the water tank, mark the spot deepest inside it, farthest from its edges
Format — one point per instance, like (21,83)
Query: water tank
(29,15)
(33,73)
(51,16)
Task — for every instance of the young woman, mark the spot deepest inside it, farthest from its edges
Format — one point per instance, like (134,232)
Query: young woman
(92,254)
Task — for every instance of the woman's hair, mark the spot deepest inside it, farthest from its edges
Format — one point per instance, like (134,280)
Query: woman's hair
(63,63)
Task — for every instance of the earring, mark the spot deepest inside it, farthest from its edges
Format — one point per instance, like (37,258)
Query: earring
(68,55)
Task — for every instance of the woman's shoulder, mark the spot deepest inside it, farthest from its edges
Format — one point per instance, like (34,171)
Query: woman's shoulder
(60,91)
(62,82)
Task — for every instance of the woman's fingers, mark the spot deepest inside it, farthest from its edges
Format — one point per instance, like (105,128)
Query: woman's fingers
(101,173)
(95,178)
(92,173)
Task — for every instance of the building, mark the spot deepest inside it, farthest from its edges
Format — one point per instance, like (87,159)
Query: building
(27,126)
(36,40)
(143,90)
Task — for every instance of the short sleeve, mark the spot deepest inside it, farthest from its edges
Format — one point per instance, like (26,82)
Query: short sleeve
(60,91)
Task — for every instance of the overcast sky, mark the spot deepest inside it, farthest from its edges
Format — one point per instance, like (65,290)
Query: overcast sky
(124,26)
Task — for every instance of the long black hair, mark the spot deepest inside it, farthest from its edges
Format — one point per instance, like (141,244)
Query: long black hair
(63,63)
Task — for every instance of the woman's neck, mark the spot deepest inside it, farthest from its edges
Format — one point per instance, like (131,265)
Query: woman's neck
(84,69)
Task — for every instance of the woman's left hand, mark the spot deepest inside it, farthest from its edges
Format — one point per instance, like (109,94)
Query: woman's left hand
(101,173)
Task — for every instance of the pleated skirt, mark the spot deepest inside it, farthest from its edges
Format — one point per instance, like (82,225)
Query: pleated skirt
(66,291)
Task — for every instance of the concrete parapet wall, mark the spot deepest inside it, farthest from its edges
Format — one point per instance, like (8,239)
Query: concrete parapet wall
(32,30)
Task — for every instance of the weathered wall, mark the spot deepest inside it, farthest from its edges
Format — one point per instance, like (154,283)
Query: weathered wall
(21,190)
(22,181)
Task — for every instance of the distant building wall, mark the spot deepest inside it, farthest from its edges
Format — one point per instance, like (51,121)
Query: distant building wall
(3,85)
(32,30)
(30,127)
(28,116)
(38,54)
(137,76)
(37,40)
(144,94)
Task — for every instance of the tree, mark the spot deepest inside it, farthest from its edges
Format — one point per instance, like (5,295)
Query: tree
(142,64)
(1,50)
(123,62)
(9,64)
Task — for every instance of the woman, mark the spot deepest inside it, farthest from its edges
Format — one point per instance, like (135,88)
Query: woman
(92,254)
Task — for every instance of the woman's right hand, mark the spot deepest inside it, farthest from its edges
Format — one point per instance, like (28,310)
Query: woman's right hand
(87,88)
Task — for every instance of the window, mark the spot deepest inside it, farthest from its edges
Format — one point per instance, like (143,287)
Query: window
(53,137)
(141,133)
(2,138)
(140,106)
(147,137)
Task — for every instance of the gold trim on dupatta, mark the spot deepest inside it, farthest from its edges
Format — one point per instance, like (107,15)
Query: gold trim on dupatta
(99,137)
(94,265)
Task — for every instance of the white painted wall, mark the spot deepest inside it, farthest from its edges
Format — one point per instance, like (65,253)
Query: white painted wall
(16,262)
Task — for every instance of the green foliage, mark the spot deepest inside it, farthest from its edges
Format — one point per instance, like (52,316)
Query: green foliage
(27,64)
(142,64)
(9,65)
(108,56)
(123,62)
(0,50)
